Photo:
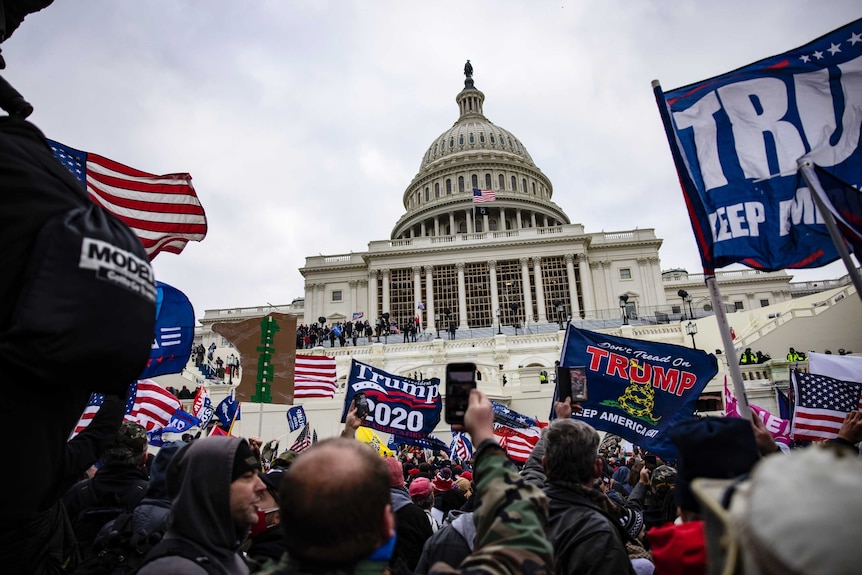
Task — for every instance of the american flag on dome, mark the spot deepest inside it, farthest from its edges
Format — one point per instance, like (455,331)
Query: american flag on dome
(482,196)
(820,405)
(163,211)
(314,376)
(150,404)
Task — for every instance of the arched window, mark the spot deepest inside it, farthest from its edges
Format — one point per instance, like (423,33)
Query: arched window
(514,184)
(524,185)
(474,179)
(451,142)
(460,183)
(462,228)
(502,181)
(534,188)
(461,140)
(437,189)
(472,139)
(442,144)
(427,194)
(492,225)
(492,139)
(448,187)
(487,181)
(482,137)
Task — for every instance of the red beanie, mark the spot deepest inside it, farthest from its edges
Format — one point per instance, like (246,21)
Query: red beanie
(396,472)
(678,549)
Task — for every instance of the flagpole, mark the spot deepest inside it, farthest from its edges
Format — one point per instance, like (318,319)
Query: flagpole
(820,198)
(729,350)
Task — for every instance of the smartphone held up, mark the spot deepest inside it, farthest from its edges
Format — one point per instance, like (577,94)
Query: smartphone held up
(572,382)
(460,380)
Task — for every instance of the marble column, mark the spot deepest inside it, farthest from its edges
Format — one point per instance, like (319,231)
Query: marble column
(468,214)
(586,286)
(574,308)
(422,229)
(452,230)
(495,297)
(371,315)
(309,302)
(502,221)
(436,226)
(647,286)
(533,219)
(353,300)
(525,286)
(518,225)
(429,297)
(540,289)
(320,299)
(606,273)
(655,274)
(417,293)
(385,291)
(462,297)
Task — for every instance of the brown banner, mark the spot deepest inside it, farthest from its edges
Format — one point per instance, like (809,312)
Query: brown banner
(246,337)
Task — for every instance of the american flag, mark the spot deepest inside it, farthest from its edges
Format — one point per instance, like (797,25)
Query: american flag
(303,441)
(314,376)
(163,211)
(90,411)
(482,196)
(518,443)
(461,448)
(150,404)
(821,404)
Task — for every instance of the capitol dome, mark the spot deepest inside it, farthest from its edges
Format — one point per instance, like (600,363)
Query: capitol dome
(473,154)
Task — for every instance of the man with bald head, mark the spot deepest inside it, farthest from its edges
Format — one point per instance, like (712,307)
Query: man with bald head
(336,509)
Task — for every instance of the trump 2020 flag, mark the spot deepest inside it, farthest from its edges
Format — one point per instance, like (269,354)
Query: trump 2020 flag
(737,140)
(637,388)
(296,417)
(163,211)
(397,405)
(174,332)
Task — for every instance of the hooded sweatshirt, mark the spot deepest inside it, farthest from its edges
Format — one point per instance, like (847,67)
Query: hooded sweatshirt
(198,480)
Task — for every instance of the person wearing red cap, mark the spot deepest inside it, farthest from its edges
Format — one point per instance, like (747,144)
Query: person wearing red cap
(423,496)
(410,521)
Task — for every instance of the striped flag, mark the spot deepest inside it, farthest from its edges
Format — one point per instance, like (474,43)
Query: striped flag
(314,376)
(150,404)
(518,443)
(90,412)
(461,449)
(303,441)
(821,404)
(163,211)
(482,196)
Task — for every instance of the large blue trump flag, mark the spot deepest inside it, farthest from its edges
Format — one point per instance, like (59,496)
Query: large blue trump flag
(737,140)
(174,332)
(636,388)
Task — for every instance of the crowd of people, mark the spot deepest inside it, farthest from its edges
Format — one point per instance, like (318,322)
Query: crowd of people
(359,332)
(216,504)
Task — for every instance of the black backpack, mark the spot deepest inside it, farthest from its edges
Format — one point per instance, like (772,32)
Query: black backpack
(77,295)
(187,550)
(93,514)
(121,550)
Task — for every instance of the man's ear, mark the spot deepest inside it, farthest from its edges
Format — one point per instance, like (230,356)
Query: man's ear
(388,523)
(598,468)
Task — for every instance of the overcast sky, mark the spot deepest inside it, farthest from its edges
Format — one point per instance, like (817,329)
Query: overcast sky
(302,123)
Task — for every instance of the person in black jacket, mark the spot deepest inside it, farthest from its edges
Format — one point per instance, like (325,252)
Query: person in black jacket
(117,487)
(583,527)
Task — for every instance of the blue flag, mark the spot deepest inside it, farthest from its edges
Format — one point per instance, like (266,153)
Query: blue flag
(296,417)
(227,411)
(430,442)
(511,418)
(174,332)
(736,140)
(637,389)
(397,405)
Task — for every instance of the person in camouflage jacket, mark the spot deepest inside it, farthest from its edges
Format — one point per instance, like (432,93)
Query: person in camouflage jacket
(510,515)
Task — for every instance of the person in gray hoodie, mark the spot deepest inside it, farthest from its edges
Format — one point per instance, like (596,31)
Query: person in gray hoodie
(216,492)
(451,544)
